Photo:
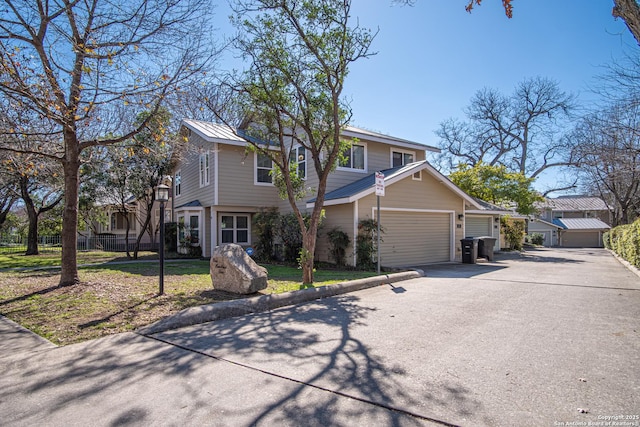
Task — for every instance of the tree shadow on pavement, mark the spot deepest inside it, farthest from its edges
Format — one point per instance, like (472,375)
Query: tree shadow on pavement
(311,346)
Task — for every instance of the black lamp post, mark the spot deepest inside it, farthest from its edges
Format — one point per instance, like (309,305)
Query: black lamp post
(162,195)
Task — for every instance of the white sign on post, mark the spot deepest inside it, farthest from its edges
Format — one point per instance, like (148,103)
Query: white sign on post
(379,184)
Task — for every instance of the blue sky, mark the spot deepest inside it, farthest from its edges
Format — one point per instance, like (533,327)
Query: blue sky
(434,56)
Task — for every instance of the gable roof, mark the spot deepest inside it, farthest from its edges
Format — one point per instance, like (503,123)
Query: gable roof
(365,186)
(581,224)
(355,132)
(575,203)
(487,208)
(217,132)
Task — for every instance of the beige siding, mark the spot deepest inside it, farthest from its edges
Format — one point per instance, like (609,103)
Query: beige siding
(190,174)
(237,180)
(427,195)
(340,217)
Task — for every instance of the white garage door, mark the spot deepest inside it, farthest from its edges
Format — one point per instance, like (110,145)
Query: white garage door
(415,238)
(476,226)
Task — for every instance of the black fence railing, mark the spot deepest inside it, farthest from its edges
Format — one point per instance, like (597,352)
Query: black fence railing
(51,244)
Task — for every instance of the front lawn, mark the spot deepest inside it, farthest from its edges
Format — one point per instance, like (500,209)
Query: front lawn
(119,297)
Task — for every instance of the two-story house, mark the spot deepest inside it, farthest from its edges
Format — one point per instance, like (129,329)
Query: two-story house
(572,221)
(220,185)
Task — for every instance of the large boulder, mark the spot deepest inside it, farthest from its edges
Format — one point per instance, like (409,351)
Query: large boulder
(233,270)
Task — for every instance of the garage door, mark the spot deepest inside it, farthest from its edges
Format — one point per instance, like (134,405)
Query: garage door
(476,226)
(415,238)
(581,239)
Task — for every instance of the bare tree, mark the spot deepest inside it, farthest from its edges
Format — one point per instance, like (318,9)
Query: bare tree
(521,131)
(87,68)
(608,146)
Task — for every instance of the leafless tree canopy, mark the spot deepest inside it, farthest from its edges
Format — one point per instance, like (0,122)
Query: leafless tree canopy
(522,131)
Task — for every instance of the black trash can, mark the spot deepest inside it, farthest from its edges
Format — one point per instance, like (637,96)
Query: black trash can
(469,250)
(485,247)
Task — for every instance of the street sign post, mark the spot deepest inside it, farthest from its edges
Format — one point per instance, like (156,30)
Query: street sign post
(379,192)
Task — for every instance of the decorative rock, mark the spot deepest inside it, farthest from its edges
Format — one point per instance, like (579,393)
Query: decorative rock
(233,270)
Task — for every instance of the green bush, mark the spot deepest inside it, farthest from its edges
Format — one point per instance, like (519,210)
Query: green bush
(338,243)
(513,231)
(624,240)
(536,239)
(264,225)
(366,244)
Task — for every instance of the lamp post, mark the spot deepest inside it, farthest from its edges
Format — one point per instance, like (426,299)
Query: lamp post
(162,195)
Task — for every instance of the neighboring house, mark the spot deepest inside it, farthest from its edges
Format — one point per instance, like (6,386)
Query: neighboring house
(220,186)
(572,221)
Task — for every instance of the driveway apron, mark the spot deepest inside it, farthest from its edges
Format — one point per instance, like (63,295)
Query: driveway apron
(546,338)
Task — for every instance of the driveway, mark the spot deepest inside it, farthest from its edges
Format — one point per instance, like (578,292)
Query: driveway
(547,338)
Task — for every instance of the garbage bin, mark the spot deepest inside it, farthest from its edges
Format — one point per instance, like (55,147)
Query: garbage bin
(469,250)
(485,247)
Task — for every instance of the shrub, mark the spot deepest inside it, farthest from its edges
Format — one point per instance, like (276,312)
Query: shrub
(366,244)
(513,232)
(338,243)
(288,230)
(536,238)
(264,225)
(624,240)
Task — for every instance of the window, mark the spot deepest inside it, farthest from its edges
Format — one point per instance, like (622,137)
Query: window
(204,168)
(194,229)
(118,221)
(401,158)
(177,183)
(298,157)
(263,169)
(234,229)
(354,158)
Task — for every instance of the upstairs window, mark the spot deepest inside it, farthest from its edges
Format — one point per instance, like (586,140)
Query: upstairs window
(354,158)
(177,183)
(298,157)
(264,165)
(204,168)
(401,158)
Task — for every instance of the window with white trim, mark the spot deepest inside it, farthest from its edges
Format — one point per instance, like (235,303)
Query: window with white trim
(194,229)
(234,229)
(177,180)
(401,157)
(264,165)
(204,168)
(298,157)
(354,158)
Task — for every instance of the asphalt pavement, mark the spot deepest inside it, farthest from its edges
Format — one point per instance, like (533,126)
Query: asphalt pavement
(546,338)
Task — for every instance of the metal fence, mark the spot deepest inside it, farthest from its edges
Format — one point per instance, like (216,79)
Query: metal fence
(51,244)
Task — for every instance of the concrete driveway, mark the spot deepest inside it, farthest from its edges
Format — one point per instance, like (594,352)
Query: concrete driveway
(547,338)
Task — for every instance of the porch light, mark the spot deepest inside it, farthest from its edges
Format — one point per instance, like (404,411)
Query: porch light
(460,216)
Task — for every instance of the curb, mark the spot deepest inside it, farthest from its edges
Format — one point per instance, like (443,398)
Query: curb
(626,263)
(235,308)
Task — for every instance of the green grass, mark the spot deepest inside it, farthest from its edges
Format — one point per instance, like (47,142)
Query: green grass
(119,297)
(53,259)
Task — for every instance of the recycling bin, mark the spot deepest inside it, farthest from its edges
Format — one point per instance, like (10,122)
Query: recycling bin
(485,247)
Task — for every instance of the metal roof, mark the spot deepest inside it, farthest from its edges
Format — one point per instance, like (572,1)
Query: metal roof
(581,224)
(490,209)
(192,204)
(213,131)
(575,203)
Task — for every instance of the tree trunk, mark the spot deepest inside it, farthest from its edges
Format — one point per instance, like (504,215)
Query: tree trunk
(71,166)
(629,11)
(32,236)
(309,246)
